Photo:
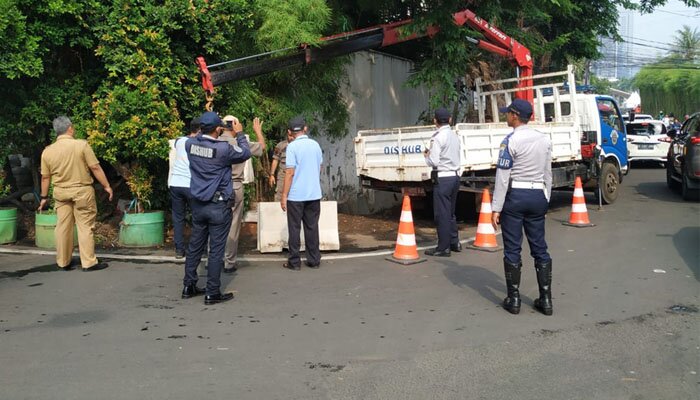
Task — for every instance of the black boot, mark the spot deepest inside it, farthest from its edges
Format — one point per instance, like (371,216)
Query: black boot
(544,280)
(191,290)
(512,271)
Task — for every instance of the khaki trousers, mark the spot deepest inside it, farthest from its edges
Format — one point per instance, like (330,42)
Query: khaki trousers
(75,206)
(235,232)
(280,184)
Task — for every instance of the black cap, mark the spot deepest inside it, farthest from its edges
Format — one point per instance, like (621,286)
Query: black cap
(519,107)
(296,124)
(194,124)
(442,115)
(210,120)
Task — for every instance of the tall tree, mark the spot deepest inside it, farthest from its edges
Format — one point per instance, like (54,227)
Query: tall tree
(687,43)
(124,72)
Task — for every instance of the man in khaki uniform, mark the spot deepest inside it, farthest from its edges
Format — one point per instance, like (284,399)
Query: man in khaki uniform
(279,158)
(256,149)
(68,163)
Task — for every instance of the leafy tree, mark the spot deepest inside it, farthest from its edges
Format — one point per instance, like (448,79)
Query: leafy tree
(124,72)
(136,106)
(671,88)
(687,41)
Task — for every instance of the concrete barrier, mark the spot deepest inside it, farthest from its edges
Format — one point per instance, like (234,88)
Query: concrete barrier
(272,227)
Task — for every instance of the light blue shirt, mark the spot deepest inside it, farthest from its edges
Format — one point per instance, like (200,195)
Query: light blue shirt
(305,157)
(180,171)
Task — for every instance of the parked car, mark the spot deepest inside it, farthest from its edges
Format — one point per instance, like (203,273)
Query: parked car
(683,166)
(647,141)
(637,117)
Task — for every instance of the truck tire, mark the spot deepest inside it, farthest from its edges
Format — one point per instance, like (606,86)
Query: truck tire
(610,182)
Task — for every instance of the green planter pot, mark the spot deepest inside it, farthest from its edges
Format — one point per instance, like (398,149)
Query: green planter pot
(142,229)
(8,225)
(45,230)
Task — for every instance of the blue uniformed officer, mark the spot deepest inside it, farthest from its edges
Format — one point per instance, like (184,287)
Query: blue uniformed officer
(443,156)
(212,197)
(520,200)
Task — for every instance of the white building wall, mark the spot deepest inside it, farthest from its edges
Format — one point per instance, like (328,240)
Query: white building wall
(377,97)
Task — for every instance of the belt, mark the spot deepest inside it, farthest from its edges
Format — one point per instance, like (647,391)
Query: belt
(442,174)
(526,185)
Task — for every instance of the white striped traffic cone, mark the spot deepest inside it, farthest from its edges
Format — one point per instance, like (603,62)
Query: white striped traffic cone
(579,212)
(406,252)
(485,234)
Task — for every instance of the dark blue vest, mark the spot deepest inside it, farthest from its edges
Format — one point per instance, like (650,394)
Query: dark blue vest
(210,165)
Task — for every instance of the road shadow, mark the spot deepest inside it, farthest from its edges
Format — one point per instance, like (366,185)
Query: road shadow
(658,191)
(489,285)
(687,241)
(642,165)
(24,272)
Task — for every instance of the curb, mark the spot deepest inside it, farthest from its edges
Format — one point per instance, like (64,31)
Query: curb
(114,256)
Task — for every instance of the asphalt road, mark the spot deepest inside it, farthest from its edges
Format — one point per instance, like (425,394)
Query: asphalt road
(365,328)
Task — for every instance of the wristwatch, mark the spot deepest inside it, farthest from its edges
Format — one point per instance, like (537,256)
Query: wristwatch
(44,197)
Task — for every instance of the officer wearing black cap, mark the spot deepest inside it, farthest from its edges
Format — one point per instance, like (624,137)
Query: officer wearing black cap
(520,200)
(212,197)
(443,155)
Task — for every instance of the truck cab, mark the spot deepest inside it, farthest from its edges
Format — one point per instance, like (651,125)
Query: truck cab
(601,124)
(604,155)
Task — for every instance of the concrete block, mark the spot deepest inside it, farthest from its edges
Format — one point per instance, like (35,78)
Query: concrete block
(272,227)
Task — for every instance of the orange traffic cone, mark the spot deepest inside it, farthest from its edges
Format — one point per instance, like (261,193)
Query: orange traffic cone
(485,234)
(579,212)
(406,252)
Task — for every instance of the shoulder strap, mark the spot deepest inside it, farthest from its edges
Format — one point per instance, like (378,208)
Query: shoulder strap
(505,160)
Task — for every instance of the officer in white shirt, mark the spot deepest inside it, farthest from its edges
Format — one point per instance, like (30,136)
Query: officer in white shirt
(520,200)
(443,156)
(179,186)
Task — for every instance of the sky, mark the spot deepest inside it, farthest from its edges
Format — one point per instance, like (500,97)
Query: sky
(658,28)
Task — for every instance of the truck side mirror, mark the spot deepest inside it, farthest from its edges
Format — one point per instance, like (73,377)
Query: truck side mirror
(672,133)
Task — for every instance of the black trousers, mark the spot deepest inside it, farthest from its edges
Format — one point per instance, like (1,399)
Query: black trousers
(444,203)
(524,209)
(180,198)
(210,222)
(309,213)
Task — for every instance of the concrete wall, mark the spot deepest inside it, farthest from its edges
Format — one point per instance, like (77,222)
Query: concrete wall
(377,97)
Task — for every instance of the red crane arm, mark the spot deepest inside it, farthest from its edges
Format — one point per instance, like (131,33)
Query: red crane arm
(504,46)
(372,38)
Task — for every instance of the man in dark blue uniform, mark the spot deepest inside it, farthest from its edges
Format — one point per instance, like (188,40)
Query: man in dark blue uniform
(212,198)
(520,200)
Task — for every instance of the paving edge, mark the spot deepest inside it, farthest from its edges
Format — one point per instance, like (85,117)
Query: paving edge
(113,256)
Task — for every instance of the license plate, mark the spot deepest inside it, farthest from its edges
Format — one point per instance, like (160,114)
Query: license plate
(645,146)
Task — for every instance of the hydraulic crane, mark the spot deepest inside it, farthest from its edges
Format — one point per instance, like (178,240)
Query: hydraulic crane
(375,37)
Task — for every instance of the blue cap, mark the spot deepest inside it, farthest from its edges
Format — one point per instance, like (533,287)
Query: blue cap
(519,107)
(442,115)
(210,120)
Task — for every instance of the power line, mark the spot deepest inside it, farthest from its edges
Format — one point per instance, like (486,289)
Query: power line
(675,13)
(650,46)
(650,41)
(636,56)
(645,45)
